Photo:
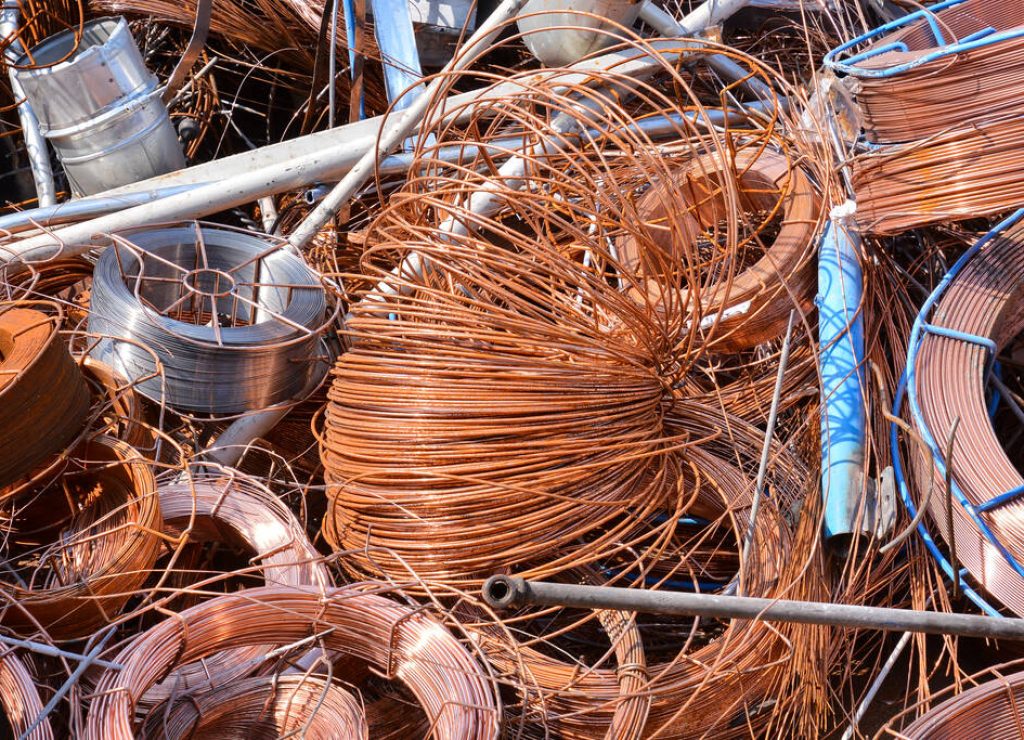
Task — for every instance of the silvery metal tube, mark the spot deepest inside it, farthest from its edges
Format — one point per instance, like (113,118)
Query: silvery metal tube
(100,107)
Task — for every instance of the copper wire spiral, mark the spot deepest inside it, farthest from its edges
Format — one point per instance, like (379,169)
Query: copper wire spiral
(19,698)
(403,643)
(35,365)
(109,541)
(984,300)
(263,708)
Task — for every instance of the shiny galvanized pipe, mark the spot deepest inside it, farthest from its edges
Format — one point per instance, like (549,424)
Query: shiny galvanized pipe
(506,592)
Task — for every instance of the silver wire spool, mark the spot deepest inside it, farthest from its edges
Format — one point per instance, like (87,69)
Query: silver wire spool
(234,318)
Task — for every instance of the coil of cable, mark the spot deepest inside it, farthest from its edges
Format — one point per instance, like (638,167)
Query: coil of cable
(43,397)
(990,710)
(79,578)
(19,697)
(948,380)
(755,284)
(401,642)
(232,508)
(234,319)
(948,91)
(263,708)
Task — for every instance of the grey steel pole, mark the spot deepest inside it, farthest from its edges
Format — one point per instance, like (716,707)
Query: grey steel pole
(503,592)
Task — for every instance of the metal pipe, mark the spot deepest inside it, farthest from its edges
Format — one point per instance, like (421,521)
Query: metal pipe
(504,592)
(35,144)
(841,342)
(392,136)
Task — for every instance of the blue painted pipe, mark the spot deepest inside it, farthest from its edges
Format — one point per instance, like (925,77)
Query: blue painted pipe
(841,341)
(393,29)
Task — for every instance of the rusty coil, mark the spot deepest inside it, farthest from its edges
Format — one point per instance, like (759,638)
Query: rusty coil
(948,92)
(80,579)
(401,642)
(43,397)
(263,708)
(984,300)
(754,283)
(19,697)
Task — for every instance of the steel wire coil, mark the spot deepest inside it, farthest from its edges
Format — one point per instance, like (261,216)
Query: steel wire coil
(43,397)
(71,587)
(754,305)
(990,710)
(965,173)
(983,301)
(264,708)
(233,318)
(403,643)
(19,698)
(948,92)
(235,509)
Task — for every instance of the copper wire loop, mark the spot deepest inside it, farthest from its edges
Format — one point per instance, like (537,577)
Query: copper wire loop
(264,708)
(755,306)
(78,581)
(949,92)
(406,644)
(235,509)
(19,697)
(984,300)
(43,398)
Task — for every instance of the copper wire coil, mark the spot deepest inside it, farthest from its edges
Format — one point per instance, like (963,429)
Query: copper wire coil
(402,642)
(700,691)
(19,698)
(983,300)
(990,710)
(944,93)
(43,398)
(752,303)
(970,172)
(122,411)
(235,509)
(263,708)
(71,587)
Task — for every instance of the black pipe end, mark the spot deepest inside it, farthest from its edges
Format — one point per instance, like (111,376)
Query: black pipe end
(503,592)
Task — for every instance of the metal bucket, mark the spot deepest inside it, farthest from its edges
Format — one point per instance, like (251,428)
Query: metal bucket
(100,107)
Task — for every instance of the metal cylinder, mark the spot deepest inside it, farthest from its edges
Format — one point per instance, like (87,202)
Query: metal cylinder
(100,107)
(561,32)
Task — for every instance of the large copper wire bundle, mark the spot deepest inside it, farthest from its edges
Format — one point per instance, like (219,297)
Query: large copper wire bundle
(948,92)
(964,173)
(263,708)
(92,561)
(511,374)
(401,642)
(950,380)
(43,397)
(19,698)
(231,508)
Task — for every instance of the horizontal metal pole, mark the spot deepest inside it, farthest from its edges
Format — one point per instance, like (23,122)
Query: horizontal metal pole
(504,592)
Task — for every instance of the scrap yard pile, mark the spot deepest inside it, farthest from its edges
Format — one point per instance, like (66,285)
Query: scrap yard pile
(513,369)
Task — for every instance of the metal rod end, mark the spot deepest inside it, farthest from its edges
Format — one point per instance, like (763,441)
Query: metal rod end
(504,592)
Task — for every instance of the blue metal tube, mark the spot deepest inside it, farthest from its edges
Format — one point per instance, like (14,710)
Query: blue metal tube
(841,340)
(393,28)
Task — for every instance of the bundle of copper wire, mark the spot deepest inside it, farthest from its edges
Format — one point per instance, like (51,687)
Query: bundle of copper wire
(43,397)
(231,508)
(263,708)
(399,641)
(950,382)
(19,698)
(514,353)
(948,92)
(73,574)
(989,710)
(964,173)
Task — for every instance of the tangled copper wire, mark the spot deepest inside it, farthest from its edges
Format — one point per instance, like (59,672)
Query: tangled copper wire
(405,644)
